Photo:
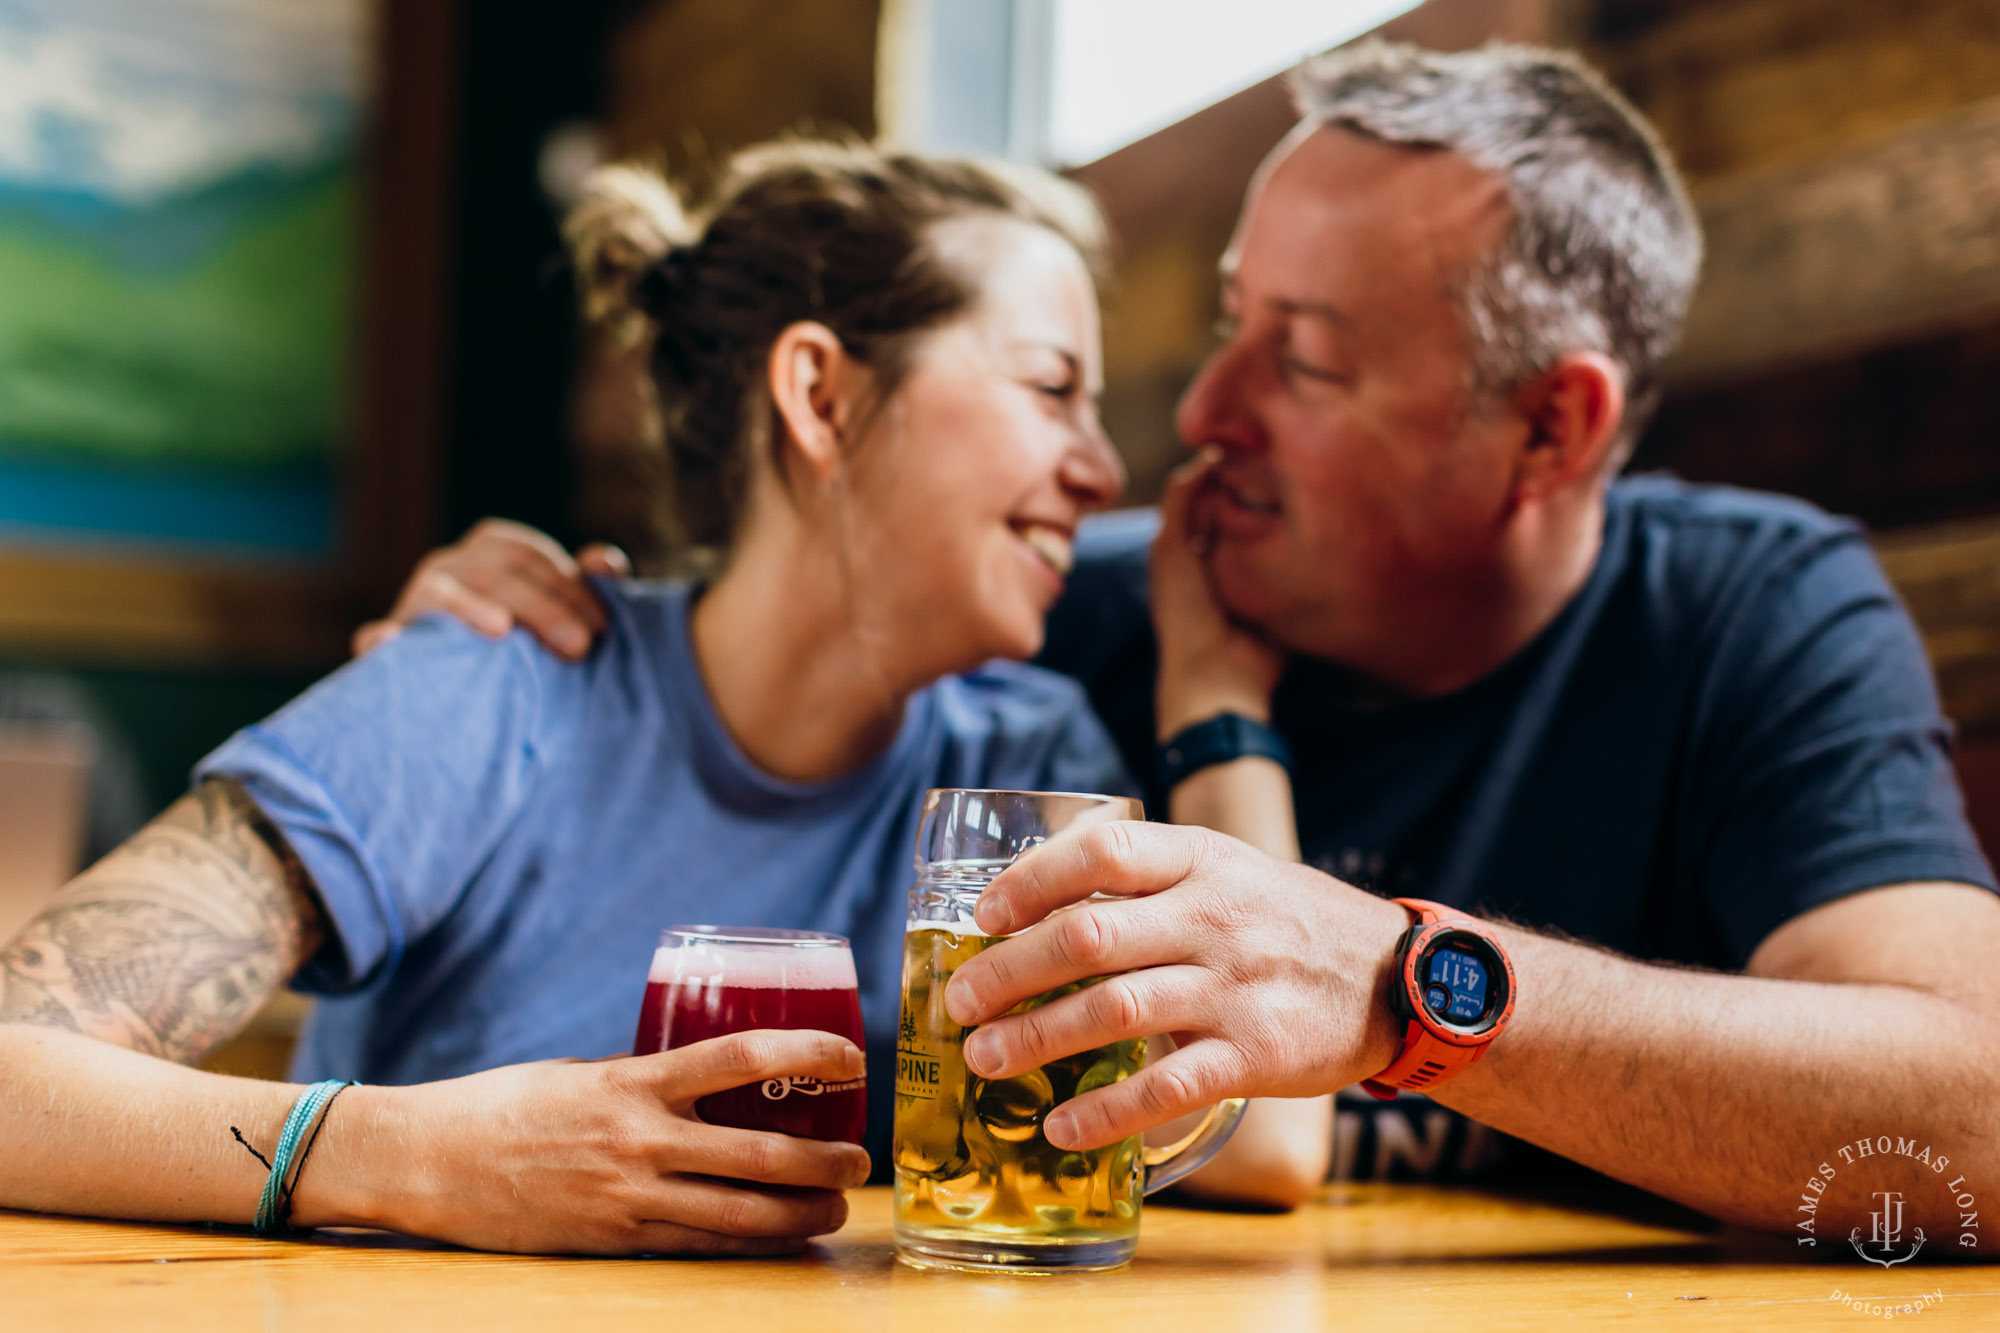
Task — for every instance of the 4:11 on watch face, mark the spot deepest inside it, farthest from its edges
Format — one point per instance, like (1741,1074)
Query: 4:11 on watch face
(1456,988)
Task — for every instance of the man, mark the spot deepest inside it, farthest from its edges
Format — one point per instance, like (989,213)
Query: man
(1678,747)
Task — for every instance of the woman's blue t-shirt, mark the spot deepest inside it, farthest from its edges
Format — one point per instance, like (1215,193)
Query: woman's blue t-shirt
(498,836)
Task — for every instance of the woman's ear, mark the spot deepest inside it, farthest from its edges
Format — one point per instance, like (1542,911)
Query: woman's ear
(813,385)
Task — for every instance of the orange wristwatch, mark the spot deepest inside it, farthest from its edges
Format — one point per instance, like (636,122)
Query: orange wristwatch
(1454,987)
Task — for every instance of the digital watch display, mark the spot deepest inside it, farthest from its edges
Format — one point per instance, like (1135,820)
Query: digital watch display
(1455,972)
(1452,988)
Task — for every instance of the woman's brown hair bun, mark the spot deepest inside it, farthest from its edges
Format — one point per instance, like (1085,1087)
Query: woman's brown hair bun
(628,221)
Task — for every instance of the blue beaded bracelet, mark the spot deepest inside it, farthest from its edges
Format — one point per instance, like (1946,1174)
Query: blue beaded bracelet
(274,1208)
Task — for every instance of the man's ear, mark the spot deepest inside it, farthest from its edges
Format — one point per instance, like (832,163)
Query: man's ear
(813,384)
(1573,412)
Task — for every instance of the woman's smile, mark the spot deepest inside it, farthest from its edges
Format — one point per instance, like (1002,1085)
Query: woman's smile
(1052,545)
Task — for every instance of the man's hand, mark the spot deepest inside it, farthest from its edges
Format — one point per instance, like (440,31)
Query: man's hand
(1269,976)
(503,574)
(1208,664)
(590,1157)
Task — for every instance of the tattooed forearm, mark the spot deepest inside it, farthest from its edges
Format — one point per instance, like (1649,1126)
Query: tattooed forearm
(170,944)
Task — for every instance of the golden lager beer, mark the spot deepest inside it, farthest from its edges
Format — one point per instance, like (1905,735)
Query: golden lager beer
(972,1164)
(978,1186)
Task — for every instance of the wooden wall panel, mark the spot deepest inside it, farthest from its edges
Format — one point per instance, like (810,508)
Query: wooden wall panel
(696,79)
(1897,435)
(1735,85)
(1890,239)
(1949,576)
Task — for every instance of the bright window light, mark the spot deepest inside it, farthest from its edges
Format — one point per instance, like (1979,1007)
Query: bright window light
(1122,69)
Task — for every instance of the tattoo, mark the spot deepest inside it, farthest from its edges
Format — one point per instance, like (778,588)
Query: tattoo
(173,942)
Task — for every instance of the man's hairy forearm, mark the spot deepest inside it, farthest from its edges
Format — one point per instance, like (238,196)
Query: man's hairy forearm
(169,945)
(1727,1093)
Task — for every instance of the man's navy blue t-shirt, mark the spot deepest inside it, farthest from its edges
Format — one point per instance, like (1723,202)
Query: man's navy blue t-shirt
(1733,721)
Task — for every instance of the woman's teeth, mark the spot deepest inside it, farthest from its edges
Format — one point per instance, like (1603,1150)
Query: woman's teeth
(1052,546)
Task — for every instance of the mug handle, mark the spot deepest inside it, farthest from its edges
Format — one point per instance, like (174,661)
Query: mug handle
(1166,1165)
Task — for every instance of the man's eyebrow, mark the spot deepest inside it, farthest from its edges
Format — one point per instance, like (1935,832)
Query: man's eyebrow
(1316,310)
(1332,314)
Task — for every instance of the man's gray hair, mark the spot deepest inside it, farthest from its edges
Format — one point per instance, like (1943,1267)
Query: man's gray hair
(1604,248)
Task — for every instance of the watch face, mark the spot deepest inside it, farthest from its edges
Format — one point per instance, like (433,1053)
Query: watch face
(1459,984)
(1456,989)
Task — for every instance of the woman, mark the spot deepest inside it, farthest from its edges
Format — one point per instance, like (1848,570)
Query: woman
(881,370)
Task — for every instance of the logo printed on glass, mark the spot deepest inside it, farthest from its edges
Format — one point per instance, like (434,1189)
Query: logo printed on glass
(919,1066)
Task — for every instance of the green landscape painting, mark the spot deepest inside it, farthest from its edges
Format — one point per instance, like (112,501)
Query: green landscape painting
(177,273)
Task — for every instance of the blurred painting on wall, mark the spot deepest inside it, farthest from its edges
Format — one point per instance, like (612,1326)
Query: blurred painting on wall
(178,269)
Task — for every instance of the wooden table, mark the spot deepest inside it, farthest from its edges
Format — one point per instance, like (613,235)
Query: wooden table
(1362,1256)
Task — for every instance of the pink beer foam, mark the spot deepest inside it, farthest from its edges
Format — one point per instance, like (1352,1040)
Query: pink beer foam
(755,966)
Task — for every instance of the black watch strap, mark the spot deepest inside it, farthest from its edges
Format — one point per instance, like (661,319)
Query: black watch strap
(1216,740)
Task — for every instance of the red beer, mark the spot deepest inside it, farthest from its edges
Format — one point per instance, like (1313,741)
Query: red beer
(709,981)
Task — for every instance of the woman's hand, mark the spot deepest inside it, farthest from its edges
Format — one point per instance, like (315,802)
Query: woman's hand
(502,574)
(589,1157)
(1208,663)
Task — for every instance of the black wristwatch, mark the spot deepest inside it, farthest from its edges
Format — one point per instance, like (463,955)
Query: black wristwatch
(1216,740)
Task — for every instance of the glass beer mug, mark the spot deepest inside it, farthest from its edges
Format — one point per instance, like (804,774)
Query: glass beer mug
(977,1185)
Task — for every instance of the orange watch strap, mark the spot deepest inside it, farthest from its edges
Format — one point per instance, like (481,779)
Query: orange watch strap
(1429,913)
(1424,1061)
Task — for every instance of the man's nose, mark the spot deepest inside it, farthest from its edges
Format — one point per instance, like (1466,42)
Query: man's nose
(1213,410)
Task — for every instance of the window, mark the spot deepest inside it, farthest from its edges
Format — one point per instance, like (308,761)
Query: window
(1121,69)
(1063,82)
